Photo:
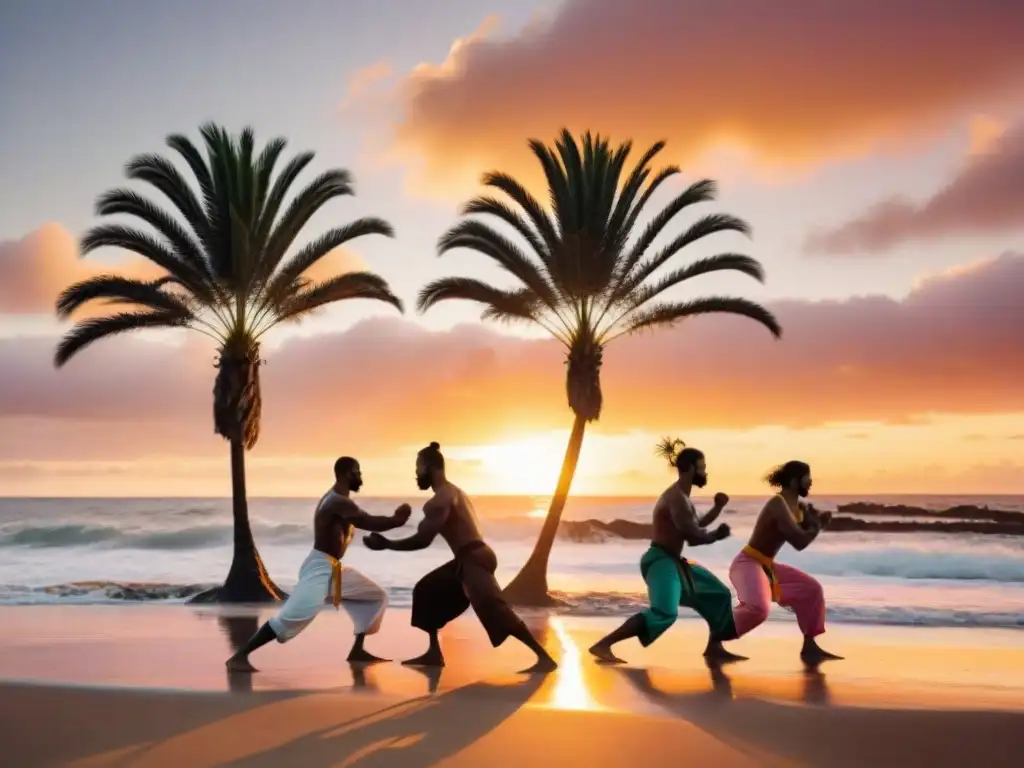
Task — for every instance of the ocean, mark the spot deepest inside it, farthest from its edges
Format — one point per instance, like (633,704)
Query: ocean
(85,550)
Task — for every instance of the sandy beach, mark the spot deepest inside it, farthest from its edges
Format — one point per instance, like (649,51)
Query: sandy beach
(145,685)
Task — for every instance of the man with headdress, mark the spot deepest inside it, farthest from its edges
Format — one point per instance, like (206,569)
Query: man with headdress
(671,579)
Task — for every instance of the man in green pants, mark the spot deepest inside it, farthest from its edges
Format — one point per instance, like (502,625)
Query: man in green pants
(671,580)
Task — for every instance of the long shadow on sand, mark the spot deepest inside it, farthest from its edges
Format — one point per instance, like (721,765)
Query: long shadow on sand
(420,734)
(826,735)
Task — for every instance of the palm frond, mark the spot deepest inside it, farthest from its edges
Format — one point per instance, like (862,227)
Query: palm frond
(497,302)
(491,206)
(669,313)
(88,331)
(264,170)
(124,290)
(186,247)
(145,245)
(323,245)
(668,448)
(160,173)
(478,236)
(351,285)
(698,192)
(530,205)
(707,225)
(635,295)
(324,188)
(275,197)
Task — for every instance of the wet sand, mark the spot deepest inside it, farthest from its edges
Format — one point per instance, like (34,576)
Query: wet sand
(145,685)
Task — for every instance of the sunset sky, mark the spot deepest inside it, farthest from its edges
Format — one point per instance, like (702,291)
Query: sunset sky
(876,147)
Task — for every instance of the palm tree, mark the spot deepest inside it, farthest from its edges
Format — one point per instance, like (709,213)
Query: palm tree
(223,252)
(587,277)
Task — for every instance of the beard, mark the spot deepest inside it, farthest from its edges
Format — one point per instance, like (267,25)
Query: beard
(423,481)
(355,485)
(699,481)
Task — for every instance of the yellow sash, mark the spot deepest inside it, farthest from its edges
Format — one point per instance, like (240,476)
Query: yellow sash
(768,565)
(335,581)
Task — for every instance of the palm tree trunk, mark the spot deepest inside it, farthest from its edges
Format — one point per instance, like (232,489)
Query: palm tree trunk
(247,580)
(530,586)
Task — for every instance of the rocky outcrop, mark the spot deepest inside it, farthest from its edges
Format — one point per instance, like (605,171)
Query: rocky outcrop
(963,512)
(961,519)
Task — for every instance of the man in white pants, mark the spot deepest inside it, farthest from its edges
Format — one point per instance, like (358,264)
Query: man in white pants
(323,580)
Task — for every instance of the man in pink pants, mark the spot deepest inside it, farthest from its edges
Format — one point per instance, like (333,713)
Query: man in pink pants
(759,580)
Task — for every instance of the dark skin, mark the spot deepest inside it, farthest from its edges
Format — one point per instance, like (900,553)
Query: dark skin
(676,524)
(449,514)
(777,525)
(333,527)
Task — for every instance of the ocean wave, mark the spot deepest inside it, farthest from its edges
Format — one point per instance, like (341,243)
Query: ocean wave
(584,604)
(112,537)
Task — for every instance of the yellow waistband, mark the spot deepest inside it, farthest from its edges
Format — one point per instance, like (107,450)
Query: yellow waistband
(335,581)
(768,564)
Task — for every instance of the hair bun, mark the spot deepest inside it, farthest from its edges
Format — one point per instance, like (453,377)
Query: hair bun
(435,446)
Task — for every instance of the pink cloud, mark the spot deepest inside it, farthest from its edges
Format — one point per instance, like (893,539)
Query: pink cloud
(987,196)
(952,346)
(795,84)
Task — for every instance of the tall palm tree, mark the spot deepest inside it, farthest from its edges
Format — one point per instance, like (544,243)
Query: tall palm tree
(224,252)
(586,274)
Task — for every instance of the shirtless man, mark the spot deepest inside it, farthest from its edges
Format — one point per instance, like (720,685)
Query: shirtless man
(671,580)
(468,579)
(324,580)
(760,581)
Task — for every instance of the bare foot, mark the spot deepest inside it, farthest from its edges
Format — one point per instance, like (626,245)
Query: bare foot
(604,655)
(240,664)
(815,655)
(364,657)
(428,659)
(542,667)
(717,654)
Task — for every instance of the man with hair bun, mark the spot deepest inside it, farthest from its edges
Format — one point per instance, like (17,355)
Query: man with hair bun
(467,580)
(671,579)
(759,580)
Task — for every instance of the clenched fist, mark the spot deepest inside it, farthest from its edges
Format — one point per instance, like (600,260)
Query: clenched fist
(721,499)
(402,514)
(723,531)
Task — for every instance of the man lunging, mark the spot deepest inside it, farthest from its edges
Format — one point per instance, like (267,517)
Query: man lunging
(760,581)
(671,579)
(324,580)
(468,579)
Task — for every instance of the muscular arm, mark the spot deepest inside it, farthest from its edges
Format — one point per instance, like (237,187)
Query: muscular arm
(686,522)
(711,516)
(435,512)
(359,518)
(798,537)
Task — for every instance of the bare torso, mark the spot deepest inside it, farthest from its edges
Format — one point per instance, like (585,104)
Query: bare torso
(331,531)
(460,526)
(666,533)
(767,536)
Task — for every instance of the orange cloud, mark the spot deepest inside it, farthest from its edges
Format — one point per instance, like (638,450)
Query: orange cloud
(793,85)
(986,196)
(364,79)
(36,268)
(951,346)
